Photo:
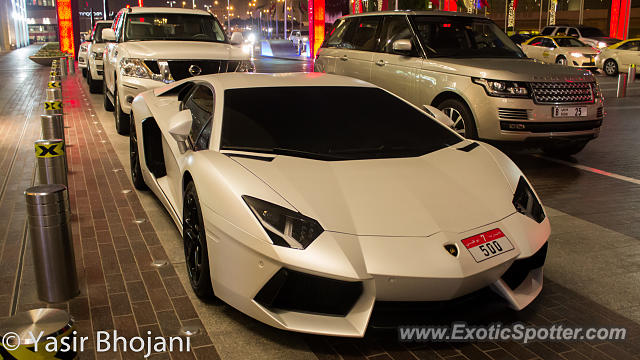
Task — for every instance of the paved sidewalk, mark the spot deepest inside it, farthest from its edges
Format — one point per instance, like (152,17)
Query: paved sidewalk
(115,244)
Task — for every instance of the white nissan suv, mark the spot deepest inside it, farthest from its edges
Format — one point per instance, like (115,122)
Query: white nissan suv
(148,47)
(467,67)
(95,51)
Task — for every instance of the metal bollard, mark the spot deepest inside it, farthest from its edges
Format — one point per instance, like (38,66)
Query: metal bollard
(53,84)
(54,94)
(52,323)
(52,127)
(52,107)
(63,66)
(622,85)
(631,76)
(51,242)
(51,161)
(72,65)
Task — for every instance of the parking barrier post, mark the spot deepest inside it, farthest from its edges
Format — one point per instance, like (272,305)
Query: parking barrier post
(72,65)
(51,161)
(63,66)
(622,85)
(52,127)
(52,107)
(52,323)
(631,75)
(51,242)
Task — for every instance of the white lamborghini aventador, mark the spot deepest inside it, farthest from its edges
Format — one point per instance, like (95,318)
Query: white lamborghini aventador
(304,215)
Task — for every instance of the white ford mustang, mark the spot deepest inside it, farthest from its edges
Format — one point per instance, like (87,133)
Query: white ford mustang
(303,215)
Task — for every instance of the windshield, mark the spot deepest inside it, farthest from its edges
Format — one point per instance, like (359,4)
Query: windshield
(570,42)
(97,31)
(464,37)
(351,123)
(590,32)
(182,27)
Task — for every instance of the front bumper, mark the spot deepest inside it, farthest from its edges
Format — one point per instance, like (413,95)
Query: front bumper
(130,87)
(97,69)
(374,268)
(522,120)
(82,61)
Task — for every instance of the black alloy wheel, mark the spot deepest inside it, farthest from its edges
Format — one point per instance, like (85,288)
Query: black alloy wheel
(195,244)
(134,159)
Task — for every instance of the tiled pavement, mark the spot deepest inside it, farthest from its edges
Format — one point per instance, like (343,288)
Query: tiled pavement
(120,289)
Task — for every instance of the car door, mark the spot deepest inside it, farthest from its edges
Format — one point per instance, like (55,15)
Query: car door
(548,48)
(533,48)
(629,53)
(200,102)
(394,71)
(358,44)
(332,47)
(111,53)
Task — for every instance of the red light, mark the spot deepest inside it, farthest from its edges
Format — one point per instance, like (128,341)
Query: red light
(65,26)
(140,3)
(619,19)
(316,26)
(128,6)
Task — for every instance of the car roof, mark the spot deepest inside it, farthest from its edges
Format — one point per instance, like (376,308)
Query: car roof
(414,12)
(164,10)
(236,80)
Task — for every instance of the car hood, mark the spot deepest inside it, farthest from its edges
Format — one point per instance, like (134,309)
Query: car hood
(447,190)
(98,47)
(508,69)
(189,50)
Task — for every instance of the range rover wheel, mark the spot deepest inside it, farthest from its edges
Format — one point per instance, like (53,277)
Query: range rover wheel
(134,159)
(195,244)
(561,60)
(108,106)
(610,67)
(563,150)
(122,118)
(460,114)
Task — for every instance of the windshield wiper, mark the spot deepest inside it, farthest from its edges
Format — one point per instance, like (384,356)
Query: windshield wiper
(286,152)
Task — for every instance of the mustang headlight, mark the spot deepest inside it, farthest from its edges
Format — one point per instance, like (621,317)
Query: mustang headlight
(285,227)
(134,68)
(503,88)
(526,202)
(246,66)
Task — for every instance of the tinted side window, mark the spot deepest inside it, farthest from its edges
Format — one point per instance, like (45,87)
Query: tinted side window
(561,31)
(200,102)
(365,33)
(630,45)
(548,43)
(573,32)
(547,31)
(395,28)
(536,41)
(337,35)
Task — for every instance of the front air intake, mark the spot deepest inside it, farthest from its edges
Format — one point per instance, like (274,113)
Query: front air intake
(295,291)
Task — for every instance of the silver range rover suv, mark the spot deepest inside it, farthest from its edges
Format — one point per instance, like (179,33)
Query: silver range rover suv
(467,67)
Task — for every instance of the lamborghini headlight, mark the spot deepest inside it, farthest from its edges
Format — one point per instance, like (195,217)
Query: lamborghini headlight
(246,66)
(503,88)
(285,227)
(134,68)
(526,202)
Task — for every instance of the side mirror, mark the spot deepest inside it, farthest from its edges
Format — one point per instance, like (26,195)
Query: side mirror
(108,35)
(438,115)
(402,46)
(180,127)
(237,38)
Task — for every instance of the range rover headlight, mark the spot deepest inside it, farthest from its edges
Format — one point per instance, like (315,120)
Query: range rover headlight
(246,66)
(503,88)
(134,68)
(285,227)
(526,202)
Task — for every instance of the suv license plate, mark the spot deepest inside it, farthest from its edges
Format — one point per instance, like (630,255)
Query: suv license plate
(487,245)
(569,111)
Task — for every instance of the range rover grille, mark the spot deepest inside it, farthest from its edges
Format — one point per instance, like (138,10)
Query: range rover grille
(563,92)
(512,114)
